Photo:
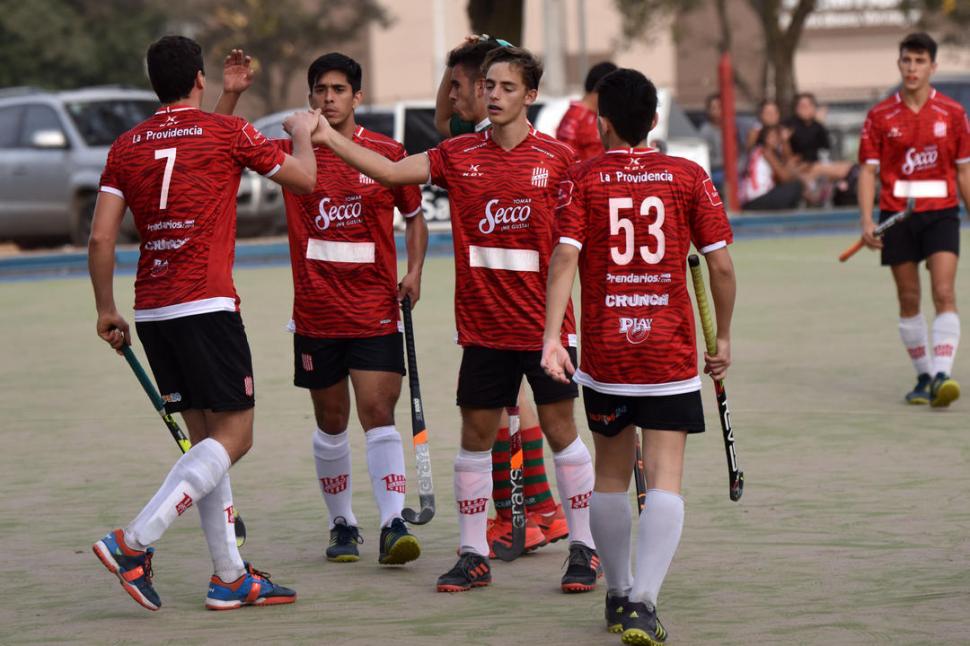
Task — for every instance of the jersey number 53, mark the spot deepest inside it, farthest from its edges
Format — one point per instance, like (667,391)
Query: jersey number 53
(624,225)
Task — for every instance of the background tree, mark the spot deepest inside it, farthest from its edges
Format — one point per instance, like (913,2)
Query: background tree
(497,18)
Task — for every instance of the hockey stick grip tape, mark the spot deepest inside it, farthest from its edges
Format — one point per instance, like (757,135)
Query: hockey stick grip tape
(703,307)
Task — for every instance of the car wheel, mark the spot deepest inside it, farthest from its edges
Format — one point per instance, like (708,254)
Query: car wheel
(81,228)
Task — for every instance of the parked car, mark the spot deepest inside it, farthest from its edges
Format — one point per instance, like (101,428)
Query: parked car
(53,147)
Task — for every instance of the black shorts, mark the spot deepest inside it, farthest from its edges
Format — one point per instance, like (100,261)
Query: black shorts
(200,361)
(610,414)
(921,235)
(321,363)
(490,378)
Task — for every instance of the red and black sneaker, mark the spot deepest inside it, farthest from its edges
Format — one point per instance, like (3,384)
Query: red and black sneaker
(471,571)
(582,569)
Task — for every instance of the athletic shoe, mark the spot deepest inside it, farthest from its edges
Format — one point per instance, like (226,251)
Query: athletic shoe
(500,530)
(582,570)
(614,612)
(553,523)
(641,625)
(398,546)
(344,539)
(921,393)
(471,571)
(132,567)
(944,390)
(253,588)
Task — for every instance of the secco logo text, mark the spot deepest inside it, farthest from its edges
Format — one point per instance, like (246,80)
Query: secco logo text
(330,213)
(922,160)
(499,216)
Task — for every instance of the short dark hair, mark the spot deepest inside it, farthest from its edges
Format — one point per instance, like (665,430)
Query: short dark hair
(804,95)
(335,61)
(919,42)
(629,100)
(710,99)
(173,62)
(596,72)
(529,66)
(471,56)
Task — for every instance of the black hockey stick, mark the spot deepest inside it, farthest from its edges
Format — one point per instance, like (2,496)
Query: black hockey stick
(735,475)
(184,444)
(419,432)
(638,476)
(880,230)
(516,476)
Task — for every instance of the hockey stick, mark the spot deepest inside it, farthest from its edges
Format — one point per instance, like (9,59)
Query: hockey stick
(735,475)
(880,230)
(516,475)
(146,383)
(638,476)
(422,455)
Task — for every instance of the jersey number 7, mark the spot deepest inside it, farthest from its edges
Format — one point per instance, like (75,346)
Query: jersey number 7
(168,154)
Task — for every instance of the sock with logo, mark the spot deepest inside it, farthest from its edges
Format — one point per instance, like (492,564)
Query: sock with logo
(331,453)
(501,485)
(538,496)
(912,331)
(611,521)
(192,477)
(946,338)
(473,488)
(574,477)
(219,527)
(658,536)
(385,463)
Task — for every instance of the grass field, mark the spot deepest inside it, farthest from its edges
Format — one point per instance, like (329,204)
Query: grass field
(854,527)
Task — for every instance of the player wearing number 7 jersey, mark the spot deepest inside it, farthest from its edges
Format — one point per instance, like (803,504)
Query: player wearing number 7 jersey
(627,219)
(179,171)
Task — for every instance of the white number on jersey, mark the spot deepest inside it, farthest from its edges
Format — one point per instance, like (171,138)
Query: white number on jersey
(168,154)
(619,224)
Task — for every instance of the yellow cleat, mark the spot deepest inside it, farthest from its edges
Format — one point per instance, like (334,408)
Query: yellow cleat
(944,391)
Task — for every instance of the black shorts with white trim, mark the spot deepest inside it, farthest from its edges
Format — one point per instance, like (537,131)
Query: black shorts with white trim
(610,414)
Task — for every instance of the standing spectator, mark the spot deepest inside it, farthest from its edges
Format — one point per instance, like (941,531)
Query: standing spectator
(578,125)
(808,135)
(710,130)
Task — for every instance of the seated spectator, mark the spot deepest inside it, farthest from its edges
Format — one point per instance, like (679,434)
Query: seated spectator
(770,181)
(769,114)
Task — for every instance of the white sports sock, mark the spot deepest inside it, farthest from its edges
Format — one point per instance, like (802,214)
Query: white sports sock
(385,463)
(661,522)
(192,477)
(574,479)
(946,338)
(610,522)
(331,453)
(913,333)
(473,489)
(219,527)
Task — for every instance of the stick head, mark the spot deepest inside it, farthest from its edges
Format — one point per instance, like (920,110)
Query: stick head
(418,518)
(737,487)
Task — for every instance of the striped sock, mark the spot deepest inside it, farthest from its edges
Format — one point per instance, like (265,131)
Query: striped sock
(538,496)
(501,486)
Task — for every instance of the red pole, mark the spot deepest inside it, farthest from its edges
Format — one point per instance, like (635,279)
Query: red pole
(729,133)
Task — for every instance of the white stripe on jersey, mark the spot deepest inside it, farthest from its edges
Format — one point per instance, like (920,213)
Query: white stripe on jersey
(113,191)
(639,390)
(920,188)
(334,251)
(502,258)
(713,247)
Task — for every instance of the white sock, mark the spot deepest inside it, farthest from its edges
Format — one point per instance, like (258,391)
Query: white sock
(946,338)
(219,527)
(913,333)
(657,538)
(385,463)
(574,479)
(192,477)
(332,456)
(610,522)
(473,489)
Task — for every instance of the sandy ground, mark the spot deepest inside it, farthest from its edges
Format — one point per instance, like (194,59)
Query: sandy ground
(853,528)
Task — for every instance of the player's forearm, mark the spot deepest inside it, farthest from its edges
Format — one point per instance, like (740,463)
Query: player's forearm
(442,105)
(963,184)
(723,290)
(372,164)
(227,103)
(101,267)
(866,192)
(559,287)
(303,153)
(416,239)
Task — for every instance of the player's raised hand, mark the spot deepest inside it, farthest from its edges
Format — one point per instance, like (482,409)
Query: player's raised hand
(307,121)
(716,365)
(556,361)
(237,72)
(113,328)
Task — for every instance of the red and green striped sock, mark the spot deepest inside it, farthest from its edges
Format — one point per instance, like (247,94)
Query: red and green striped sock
(501,487)
(538,497)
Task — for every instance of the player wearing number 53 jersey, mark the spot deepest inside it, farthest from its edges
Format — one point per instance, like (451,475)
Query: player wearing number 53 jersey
(502,187)
(627,219)
(179,171)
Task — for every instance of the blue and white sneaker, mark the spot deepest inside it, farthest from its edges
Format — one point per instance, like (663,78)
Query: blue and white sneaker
(132,567)
(253,588)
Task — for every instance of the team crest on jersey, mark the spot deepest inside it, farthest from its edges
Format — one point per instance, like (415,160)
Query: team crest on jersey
(939,129)
(364,179)
(564,197)
(636,330)
(712,193)
(540,177)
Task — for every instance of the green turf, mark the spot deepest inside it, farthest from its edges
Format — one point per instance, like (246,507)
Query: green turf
(853,528)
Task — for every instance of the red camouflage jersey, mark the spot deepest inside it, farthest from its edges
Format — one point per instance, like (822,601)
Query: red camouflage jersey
(502,221)
(633,213)
(342,246)
(578,129)
(917,152)
(179,172)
